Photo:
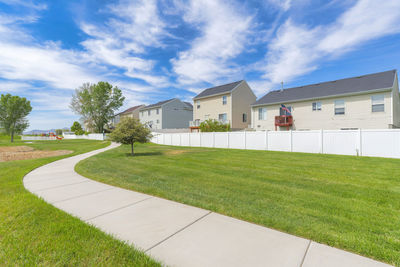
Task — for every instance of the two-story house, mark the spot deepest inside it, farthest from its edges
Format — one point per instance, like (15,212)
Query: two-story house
(132,112)
(368,102)
(228,103)
(168,114)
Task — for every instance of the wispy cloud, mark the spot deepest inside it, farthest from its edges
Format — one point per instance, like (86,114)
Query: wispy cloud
(299,49)
(224,33)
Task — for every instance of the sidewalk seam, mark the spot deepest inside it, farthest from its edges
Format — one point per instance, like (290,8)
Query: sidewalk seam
(305,253)
(48,188)
(120,208)
(177,232)
(79,196)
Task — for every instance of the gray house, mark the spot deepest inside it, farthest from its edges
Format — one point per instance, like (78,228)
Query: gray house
(168,114)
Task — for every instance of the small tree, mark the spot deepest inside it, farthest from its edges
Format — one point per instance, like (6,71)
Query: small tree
(130,130)
(96,103)
(13,112)
(77,128)
(214,126)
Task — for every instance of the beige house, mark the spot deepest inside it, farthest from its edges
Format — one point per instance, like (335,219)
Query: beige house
(132,112)
(228,103)
(365,102)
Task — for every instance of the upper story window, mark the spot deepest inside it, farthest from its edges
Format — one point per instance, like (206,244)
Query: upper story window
(224,100)
(148,112)
(262,114)
(285,111)
(316,106)
(378,103)
(244,117)
(157,111)
(198,104)
(339,107)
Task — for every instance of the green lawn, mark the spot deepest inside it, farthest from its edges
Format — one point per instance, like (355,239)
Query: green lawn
(34,233)
(347,202)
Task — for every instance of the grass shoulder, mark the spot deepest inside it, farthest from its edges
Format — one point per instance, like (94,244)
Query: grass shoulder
(347,202)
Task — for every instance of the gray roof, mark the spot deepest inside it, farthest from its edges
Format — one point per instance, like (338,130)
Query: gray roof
(158,104)
(354,85)
(189,104)
(218,90)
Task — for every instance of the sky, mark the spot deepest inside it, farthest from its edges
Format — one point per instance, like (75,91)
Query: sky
(160,49)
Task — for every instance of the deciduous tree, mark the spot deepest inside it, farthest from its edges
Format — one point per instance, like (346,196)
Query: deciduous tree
(96,104)
(130,130)
(13,112)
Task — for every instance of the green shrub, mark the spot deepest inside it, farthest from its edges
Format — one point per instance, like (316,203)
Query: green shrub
(214,126)
(79,132)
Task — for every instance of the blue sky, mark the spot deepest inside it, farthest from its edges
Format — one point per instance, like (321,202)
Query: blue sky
(159,49)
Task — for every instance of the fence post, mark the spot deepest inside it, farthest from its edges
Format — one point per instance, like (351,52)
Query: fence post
(360,140)
(266,140)
(245,140)
(200,138)
(228,138)
(180,139)
(291,141)
(321,144)
(190,134)
(213,135)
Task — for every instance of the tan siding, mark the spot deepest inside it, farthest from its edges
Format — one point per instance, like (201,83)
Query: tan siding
(396,104)
(212,106)
(358,114)
(242,98)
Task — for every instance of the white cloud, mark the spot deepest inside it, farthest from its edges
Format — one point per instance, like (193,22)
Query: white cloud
(223,36)
(299,49)
(123,39)
(282,4)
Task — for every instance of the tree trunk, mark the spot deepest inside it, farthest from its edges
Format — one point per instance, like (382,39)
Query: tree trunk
(132,153)
(12,136)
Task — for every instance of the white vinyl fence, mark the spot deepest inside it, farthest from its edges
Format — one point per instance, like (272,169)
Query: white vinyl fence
(376,143)
(89,136)
(37,138)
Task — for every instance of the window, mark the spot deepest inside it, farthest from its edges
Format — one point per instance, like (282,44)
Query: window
(378,103)
(157,111)
(158,121)
(339,107)
(224,100)
(262,114)
(148,112)
(316,106)
(198,104)
(283,112)
(244,117)
(223,117)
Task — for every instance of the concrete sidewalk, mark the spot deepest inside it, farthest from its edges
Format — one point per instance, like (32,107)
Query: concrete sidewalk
(177,234)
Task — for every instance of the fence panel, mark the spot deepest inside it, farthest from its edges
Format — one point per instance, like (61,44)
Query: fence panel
(237,140)
(306,141)
(195,139)
(380,143)
(176,139)
(221,140)
(279,141)
(256,140)
(185,139)
(341,142)
(207,139)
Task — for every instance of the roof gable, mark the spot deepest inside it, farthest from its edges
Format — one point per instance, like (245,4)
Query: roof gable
(354,85)
(159,104)
(130,109)
(225,88)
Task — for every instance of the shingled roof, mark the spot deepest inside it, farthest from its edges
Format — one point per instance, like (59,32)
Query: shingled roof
(354,85)
(218,90)
(158,104)
(130,109)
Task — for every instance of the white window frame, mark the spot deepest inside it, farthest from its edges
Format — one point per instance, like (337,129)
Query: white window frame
(262,114)
(198,104)
(340,104)
(149,112)
(378,101)
(244,117)
(224,100)
(316,106)
(224,115)
(157,111)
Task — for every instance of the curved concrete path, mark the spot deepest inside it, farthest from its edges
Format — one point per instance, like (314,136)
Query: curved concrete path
(177,234)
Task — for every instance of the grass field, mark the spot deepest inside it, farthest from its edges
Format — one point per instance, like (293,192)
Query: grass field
(347,202)
(34,233)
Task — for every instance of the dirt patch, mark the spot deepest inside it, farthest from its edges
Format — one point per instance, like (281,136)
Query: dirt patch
(10,153)
(175,152)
